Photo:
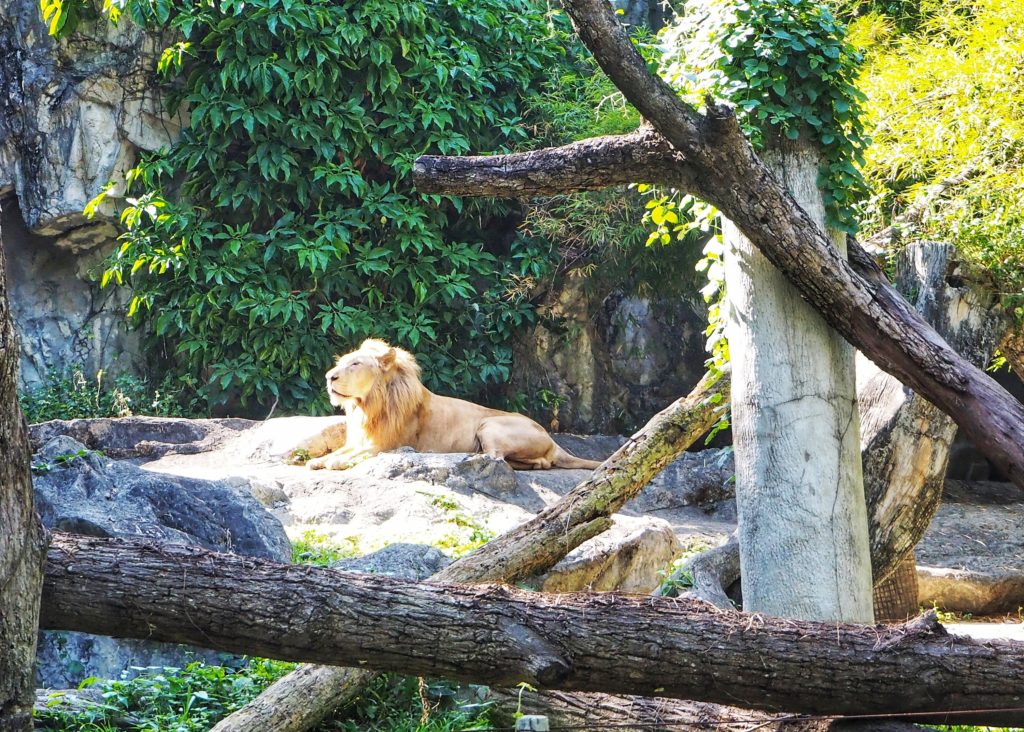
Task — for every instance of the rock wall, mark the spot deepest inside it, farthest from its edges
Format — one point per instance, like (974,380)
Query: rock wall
(74,115)
(607,362)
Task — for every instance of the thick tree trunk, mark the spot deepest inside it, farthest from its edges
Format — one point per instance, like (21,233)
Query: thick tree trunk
(906,439)
(307,696)
(501,636)
(22,539)
(803,526)
(711,159)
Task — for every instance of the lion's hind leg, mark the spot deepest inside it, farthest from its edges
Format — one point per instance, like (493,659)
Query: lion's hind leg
(518,440)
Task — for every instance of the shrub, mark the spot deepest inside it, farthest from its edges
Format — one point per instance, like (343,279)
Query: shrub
(71,395)
(283,228)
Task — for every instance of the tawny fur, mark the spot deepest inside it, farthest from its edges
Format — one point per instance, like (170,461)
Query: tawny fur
(388,407)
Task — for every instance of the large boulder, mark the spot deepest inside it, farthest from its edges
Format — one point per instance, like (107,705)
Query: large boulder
(81,491)
(972,558)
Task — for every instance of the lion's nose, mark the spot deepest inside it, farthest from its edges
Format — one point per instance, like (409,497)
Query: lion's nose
(332,377)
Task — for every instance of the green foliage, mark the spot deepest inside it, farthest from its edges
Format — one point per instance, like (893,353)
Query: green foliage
(283,228)
(398,704)
(191,699)
(322,550)
(62,461)
(72,396)
(467,533)
(196,697)
(788,71)
(947,103)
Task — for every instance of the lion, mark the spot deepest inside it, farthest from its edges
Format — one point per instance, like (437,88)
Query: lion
(388,407)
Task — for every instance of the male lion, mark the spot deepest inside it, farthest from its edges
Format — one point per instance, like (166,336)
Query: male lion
(388,408)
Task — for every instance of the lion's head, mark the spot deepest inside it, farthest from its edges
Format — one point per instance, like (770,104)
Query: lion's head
(357,375)
(382,381)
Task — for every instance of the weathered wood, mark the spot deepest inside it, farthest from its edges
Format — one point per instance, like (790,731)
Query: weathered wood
(634,713)
(653,714)
(795,429)
(723,170)
(501,636)
(305,697)
(906,438)
(22,539)
(591,164)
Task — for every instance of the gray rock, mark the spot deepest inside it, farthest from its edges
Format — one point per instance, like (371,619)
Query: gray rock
(65,659)
(458,471)
(972,558)
(83,492)
(408,561)
(142,437)
(628,357)
(632,556)
(74,114)
(93,495)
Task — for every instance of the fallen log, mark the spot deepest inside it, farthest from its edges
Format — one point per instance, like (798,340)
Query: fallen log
(646,714)
(501,636)
(308,695)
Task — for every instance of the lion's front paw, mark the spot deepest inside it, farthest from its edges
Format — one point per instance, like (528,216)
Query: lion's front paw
(331,462)
(317,463)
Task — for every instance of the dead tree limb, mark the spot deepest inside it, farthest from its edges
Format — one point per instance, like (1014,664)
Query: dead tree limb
(307,696)
(658,714)
(721,168)
(501,636)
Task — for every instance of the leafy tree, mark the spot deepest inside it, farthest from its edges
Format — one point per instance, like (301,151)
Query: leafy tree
(282,229)
(945,110)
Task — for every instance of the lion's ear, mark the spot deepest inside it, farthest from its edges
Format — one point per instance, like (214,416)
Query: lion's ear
(387,359)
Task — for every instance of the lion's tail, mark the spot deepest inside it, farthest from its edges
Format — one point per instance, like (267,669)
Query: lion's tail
(563,459)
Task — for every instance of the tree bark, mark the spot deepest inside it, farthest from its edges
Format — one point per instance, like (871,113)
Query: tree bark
(906,439)
(803,525)
(721,168)
(634,713)
(22,539)
(502,636)
(653,714)
(305,697)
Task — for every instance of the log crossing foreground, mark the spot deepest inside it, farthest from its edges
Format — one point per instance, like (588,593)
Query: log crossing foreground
(502,636)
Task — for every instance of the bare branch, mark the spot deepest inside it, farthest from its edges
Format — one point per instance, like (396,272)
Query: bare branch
(643,156)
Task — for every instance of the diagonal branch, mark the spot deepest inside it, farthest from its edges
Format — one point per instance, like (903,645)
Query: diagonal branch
(866,311)
(598,162)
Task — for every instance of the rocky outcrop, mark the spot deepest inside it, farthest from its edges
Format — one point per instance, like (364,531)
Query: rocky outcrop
(74,115)
(605,360)
(80,491)
(972,558)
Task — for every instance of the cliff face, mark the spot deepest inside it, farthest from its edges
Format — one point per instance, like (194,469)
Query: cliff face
(74,114)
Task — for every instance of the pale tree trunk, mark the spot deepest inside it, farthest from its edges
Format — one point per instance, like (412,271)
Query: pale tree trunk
(22,540)
(803,530)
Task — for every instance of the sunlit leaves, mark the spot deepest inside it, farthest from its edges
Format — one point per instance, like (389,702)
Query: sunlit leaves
(787,69)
